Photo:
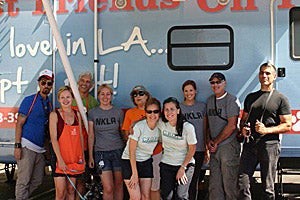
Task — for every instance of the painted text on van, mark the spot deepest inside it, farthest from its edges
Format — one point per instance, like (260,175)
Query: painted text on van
(150,5)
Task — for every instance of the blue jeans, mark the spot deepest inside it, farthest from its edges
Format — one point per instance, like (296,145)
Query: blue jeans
(169,186)
(267,155)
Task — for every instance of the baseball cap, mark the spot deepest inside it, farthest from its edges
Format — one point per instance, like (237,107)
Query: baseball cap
(47,74)
(217,75)
(138,88)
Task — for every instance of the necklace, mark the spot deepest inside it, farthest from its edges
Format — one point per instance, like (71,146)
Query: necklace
(68,117)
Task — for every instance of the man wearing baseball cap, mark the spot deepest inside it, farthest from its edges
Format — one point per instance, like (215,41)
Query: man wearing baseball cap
(222,110)
(218,76)
(32,124)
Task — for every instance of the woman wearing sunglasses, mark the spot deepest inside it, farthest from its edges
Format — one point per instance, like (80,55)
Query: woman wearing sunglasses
(194,112)
(105,123)
(139,95)
(136,158)
(179,144)
(67,142)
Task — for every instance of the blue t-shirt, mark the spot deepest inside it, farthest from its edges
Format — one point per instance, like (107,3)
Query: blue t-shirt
(34,127)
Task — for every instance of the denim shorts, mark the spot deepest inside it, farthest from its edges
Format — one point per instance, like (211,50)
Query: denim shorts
(145,169)
(111,159)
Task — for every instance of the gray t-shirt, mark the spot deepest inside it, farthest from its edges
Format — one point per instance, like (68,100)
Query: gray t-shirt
(195,115)
(175,148)
(227,106)
(146,138)
(107,128)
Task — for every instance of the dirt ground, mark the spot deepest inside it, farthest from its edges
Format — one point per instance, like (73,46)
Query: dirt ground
(46,190)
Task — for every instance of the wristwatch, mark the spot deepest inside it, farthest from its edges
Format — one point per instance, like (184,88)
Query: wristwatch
(18,145)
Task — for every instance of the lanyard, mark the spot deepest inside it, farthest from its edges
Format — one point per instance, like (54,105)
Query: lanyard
(87,103)
(267,101)
(216,110)
(265,106)
(71,182)
(33,102)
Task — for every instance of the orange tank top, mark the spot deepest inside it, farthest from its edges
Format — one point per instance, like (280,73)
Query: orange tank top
(71,149)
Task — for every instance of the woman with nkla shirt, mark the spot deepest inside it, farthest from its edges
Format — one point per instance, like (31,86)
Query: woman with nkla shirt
(105,122)
(194,112)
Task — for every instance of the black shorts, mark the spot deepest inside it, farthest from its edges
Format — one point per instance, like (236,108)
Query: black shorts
(145,169)
(88,171)
(64,175)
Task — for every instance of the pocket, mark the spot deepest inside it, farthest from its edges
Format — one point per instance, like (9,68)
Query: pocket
(190,171)
(273,149)
(233,148)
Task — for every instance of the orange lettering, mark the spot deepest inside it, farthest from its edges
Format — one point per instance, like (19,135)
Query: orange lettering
(203,5)
(11,8)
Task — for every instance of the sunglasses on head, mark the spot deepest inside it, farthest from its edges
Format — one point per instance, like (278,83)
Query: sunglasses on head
(216,82)
(152,111)
(49,83)
(139,93)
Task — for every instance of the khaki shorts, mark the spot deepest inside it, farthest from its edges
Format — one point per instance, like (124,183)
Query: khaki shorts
(156,175)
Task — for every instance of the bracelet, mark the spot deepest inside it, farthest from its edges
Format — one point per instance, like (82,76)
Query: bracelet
(18,145)
(183,167)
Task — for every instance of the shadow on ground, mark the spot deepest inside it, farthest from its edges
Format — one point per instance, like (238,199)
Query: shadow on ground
(46,190)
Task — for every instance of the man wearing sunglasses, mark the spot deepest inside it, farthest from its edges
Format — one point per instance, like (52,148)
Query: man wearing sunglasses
(222,111)
(32,124)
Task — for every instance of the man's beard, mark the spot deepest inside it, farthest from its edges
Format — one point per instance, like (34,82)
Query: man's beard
(46,91)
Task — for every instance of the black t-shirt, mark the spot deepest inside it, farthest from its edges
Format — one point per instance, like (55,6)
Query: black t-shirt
(277,105)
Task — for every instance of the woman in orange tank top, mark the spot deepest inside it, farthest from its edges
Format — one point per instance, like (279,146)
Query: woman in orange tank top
(67,141)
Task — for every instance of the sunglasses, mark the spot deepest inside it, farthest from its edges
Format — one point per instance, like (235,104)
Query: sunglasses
(49,83)
(152,111)
(216,82)
(139,93)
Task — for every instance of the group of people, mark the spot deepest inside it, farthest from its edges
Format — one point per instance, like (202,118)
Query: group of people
(157,152)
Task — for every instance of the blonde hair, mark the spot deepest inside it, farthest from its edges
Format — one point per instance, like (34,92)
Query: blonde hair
(102,86)
(64,88)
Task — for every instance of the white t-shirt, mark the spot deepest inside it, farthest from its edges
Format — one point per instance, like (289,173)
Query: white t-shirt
(175,148)
(146,138)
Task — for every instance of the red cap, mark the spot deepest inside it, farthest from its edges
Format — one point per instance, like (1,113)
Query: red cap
(47,74)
